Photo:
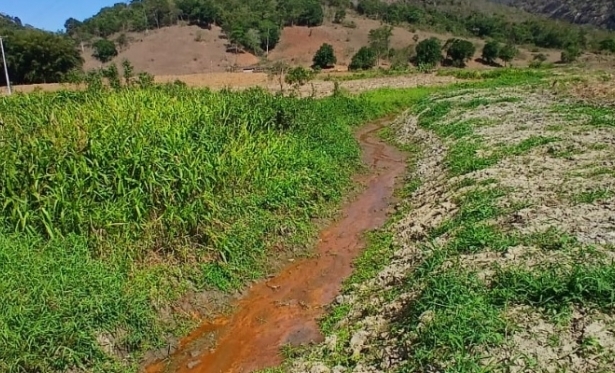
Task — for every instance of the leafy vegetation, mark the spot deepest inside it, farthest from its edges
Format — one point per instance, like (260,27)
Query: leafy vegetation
(428,52)
(364,59)
(115,203)
(491,51)
(459,51)
(508,53)
(35,56)
(324,57)
(298,76)
(104,50)
(380,41)
(570,54)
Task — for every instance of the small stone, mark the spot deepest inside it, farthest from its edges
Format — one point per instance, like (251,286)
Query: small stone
(193,364)
(320,368)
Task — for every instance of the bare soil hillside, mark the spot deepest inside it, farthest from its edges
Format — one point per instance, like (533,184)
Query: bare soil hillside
(175,50)
(178,50)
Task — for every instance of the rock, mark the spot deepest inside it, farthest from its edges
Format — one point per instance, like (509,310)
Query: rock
(193,364)
(357,342)
(319,368)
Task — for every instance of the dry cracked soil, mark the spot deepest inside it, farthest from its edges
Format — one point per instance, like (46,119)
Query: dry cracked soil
(500,257)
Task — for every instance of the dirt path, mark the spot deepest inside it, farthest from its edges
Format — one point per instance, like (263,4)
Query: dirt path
(284,309)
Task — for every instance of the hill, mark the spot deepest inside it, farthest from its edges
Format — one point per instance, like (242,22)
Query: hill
(8,22)
(594,12)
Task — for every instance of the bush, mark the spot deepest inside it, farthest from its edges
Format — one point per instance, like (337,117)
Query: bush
(364,59)
(491,51)
(570,54)
(607,45)
(324,57)
(104,50)
(340,14)
(508,53)
(428,52)
(298,76)
(459,51)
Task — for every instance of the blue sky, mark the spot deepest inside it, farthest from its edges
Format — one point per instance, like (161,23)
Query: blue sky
(51,14)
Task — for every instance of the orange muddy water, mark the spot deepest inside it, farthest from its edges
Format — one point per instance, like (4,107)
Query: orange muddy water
(285,309)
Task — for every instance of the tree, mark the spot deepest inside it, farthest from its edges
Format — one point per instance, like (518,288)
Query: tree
(491,51)
(459,51)
(364,59)
(252,41)
(508,53)
(324,57)
(35,56)
(312,14)
(104,50)
(71,25)
(270,34)
(570,54)
(380,40)
(428,52)
(371,8)
(200,12)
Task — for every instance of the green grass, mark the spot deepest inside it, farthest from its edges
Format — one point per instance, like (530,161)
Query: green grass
(115,204)
(592,196)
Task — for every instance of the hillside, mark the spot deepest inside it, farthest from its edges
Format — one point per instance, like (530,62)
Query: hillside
(181,50)
(174,50)
(594,12)
(8,22)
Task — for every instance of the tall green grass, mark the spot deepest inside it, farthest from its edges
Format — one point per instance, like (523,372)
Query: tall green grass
(114,204)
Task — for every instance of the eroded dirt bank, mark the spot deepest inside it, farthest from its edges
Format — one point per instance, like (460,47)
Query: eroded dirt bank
(284,309)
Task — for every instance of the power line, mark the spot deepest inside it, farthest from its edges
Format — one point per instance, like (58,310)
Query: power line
(6,68)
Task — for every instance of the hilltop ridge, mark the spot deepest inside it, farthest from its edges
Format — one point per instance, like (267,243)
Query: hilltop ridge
(595,12)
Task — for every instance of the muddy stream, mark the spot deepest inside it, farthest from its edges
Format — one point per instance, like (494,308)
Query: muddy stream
(285,309)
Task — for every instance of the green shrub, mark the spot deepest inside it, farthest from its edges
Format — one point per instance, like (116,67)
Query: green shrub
(298,76)
(364,59)
(570,54)
(104,50)
(607,45)
(491,51)
(428,52)
(508,53)
(324,57)
(459,51)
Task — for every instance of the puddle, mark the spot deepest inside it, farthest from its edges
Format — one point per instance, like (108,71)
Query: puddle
(285,309)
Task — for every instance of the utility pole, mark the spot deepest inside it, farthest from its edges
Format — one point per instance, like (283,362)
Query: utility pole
(6,68)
